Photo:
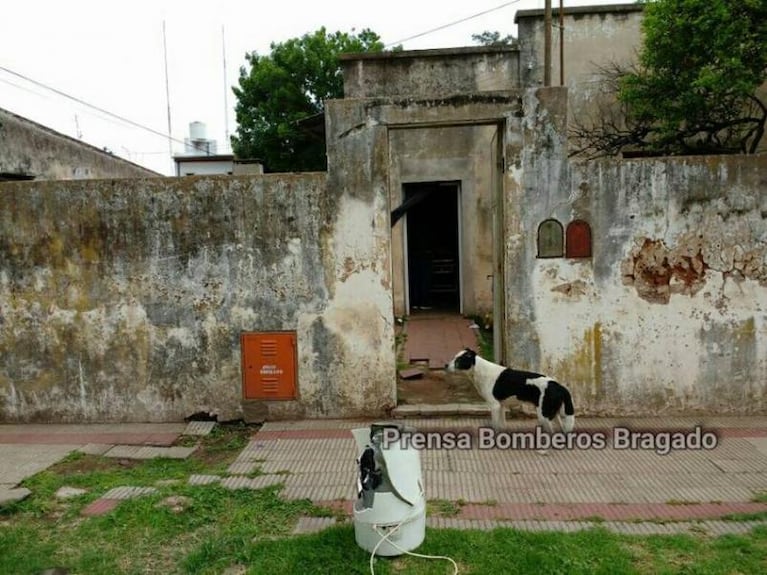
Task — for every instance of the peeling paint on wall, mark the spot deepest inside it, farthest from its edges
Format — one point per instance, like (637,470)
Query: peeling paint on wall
(573,290)
(725,242)
(657,271)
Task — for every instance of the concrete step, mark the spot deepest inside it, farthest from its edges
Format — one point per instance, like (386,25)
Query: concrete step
(440,410)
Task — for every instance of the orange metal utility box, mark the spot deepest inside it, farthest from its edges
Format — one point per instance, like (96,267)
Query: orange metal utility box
(268,365)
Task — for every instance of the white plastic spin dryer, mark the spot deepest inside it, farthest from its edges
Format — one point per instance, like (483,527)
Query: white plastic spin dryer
(390,511)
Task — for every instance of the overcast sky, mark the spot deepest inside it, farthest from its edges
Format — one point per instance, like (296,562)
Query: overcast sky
(110,55)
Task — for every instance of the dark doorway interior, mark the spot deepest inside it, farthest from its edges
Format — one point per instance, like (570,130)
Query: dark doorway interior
(432,246)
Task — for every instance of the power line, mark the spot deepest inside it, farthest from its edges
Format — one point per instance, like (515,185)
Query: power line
(45,96)
(89,113)
(170,137)
(88,105)
(461,21)
(23,88)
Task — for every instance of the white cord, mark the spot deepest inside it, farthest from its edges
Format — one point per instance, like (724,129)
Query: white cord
(385,537)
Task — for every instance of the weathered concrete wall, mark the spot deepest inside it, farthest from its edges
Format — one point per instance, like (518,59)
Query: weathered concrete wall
(670,313)
(431,72)
(594,38)
(536,164)
(124,300)
(29,149)
(460,153)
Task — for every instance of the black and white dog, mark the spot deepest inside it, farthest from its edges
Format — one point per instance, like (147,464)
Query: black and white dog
(497,384)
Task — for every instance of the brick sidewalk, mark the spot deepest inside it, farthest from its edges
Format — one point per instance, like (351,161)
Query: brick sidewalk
(318,460)
(99,433)
(632,492)
(27,449)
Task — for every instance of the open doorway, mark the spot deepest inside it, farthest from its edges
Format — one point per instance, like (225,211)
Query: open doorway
(433,247)
(435,329)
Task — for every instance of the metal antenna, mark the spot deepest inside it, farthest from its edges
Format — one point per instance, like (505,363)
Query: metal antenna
(167,96)
(547,44)
(561,43)
(226,88)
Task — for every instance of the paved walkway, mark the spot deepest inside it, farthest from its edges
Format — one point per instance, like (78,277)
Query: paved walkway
(28,449)
(513,485)
(626,490)
(434,338)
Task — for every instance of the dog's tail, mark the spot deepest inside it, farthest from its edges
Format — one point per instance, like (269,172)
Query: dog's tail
(568,422)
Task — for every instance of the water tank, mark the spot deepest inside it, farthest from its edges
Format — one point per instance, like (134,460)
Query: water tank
(197,131)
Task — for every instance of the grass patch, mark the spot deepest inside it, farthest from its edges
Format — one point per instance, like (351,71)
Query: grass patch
(485,337)
(325,511)
(142,536)
(760,497)
(501,551)
(758,516)
(400,340)
(443,507)
(222,529)
(224,441)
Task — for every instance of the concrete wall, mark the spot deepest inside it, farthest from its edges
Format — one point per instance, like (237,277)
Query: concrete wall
(124,300)
(670,313)
(29,149)
(594,37)
(430,72)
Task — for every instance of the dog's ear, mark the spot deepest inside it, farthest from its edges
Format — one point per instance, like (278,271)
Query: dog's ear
(465,359)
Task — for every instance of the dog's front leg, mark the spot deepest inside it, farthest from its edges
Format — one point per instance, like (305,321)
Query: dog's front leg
(547,427)
(545,423)
(497,416)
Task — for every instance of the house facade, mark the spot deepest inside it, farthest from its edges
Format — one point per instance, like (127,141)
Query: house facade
(641,283)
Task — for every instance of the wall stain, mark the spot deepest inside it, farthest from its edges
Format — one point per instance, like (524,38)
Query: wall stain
(328,355)
(581,371)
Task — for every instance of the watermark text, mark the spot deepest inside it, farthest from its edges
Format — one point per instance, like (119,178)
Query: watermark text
(619,438)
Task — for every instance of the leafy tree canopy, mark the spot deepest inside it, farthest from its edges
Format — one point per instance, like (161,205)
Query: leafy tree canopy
(488,38)
(289,85)
(694,88)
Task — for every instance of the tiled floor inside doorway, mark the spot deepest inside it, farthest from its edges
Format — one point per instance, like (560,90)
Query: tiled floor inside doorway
(430,340)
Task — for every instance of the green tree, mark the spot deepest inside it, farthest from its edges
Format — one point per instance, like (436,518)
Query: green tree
(488,38)
(279,91)
(694,87)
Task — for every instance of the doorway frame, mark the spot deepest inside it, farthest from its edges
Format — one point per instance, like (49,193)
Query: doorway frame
(498,151)
(502,118)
